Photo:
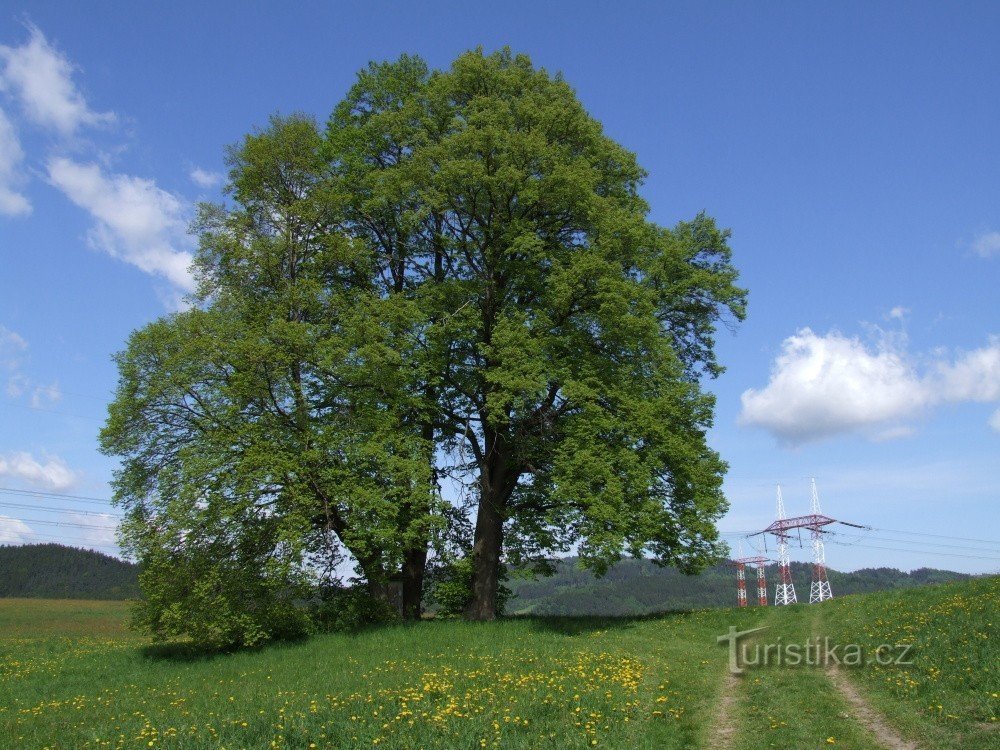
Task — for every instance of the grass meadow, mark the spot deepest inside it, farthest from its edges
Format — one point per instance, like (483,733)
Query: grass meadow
(72,677)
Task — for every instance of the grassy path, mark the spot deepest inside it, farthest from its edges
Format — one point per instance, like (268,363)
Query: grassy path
(863,712)
(791,706)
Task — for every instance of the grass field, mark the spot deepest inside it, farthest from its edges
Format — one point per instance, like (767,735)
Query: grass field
(72,677)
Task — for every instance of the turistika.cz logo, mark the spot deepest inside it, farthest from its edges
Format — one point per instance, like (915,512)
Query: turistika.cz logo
(814,652)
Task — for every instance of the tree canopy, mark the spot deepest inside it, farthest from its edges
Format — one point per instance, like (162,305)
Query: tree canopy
(456,281)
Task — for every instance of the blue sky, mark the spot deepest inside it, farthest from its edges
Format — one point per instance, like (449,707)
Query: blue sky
(851,147)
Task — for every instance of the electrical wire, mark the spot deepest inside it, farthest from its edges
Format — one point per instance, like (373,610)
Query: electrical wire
(939,536)
(25,506)
(915,551)
(54,495)
(68,524)
(890,540)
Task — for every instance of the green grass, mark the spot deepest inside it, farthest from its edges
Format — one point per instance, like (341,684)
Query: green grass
(793,707)
(72,677)
(525,683)
(949,697)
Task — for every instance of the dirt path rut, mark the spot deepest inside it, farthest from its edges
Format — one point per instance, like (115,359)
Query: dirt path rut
(863,712)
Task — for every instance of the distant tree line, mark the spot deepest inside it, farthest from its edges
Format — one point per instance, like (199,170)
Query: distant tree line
(631,587)
(638,587)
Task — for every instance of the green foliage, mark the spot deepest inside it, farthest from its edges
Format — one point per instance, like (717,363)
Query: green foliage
(350,609)
(263,430)
(564,333)
(217,603)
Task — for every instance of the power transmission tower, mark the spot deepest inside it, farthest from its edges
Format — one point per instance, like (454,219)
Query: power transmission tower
(761,584)
(819,589)
(741,578)
(784,591)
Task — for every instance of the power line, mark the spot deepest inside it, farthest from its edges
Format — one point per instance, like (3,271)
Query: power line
(914,541)
(25,506)
(939,536)
(69,524)
(916,551)
(57,412)
(55,495)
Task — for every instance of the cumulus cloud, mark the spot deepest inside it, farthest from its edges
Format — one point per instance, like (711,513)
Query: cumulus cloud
(12,203)
(205,179)
(53,474)
(41,77)
(821,386)
(14,531)
(134,220)
(987,244)
(974,376)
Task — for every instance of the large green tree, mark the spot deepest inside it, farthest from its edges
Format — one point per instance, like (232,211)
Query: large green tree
(562,334)
(267,427)
(458,278)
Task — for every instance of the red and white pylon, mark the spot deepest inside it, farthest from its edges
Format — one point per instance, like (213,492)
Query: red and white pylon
(761,586)
(819,589)
(741,579)
(784,591)
(741,564)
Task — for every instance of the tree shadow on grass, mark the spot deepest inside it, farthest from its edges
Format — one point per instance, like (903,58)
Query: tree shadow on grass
(188,651)
(587,624)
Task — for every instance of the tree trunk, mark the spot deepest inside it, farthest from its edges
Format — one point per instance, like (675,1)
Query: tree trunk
(486,555)
(414,562)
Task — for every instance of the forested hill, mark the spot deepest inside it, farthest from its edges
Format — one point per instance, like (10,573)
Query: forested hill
(52,571)
(639,587)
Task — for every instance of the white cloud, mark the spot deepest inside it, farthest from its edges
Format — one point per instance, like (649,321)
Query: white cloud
(12,203)
(14,531)
(11,346)
(17,384)
(826,385)
(44,395)
(898,313)
(975,376)
(54,474)
(135,221)
(987,244)
(42,79)
(205,179)
(100,531)
(822,385)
